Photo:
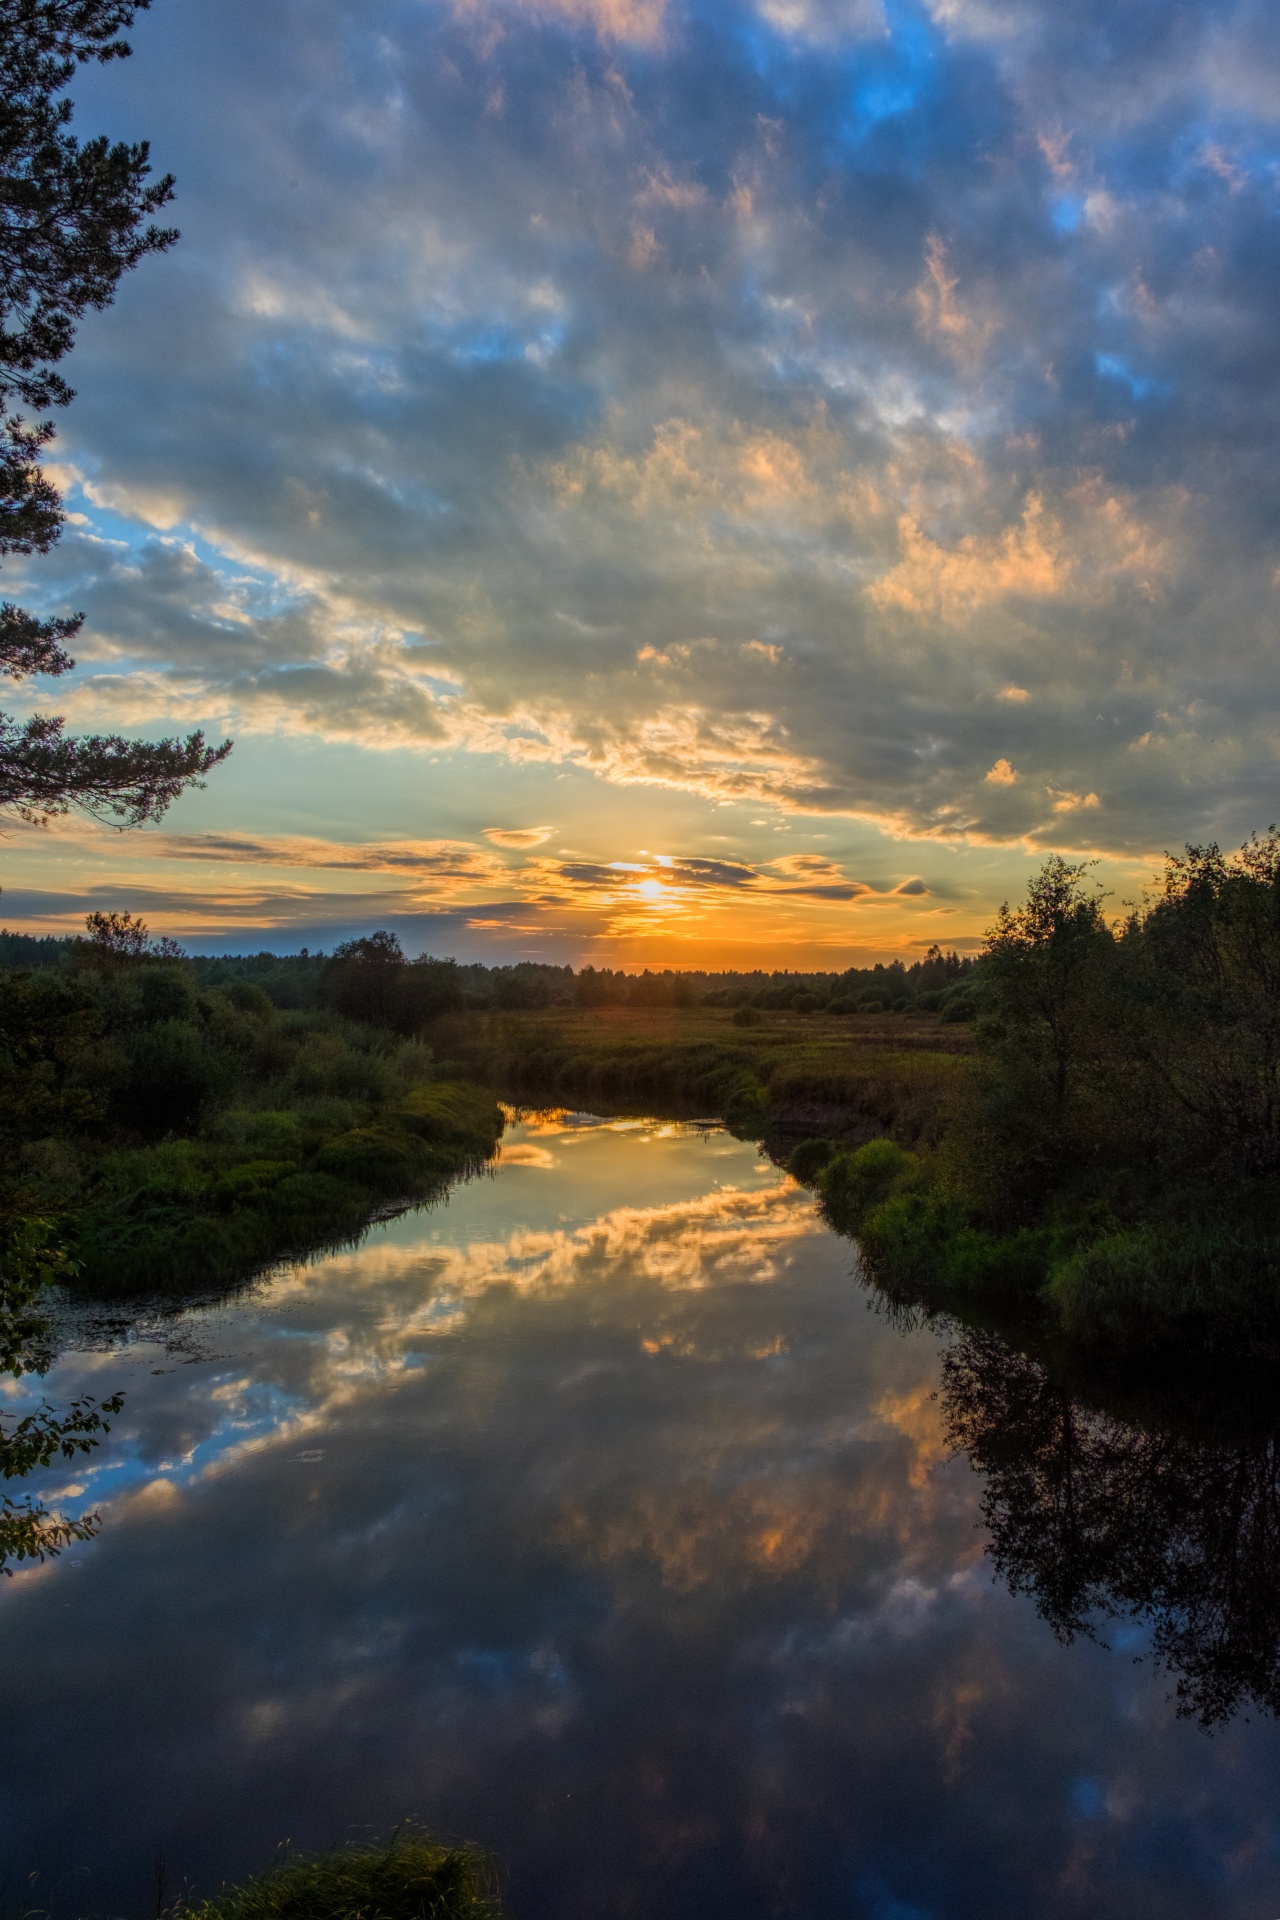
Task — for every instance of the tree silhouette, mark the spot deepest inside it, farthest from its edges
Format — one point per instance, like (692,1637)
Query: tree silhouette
(1097,1516)
(73,218)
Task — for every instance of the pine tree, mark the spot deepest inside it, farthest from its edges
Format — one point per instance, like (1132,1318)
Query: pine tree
(73,218)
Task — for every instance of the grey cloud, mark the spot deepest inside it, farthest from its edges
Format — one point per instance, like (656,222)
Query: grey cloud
(933,364)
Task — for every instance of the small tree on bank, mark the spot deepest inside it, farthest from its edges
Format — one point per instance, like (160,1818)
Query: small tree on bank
(73,218)
(1040,964)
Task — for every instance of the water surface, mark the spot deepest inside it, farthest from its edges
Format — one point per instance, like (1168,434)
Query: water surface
(598,1516)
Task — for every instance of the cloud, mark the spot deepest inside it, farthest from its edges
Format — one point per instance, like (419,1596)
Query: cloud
(636,21)
(794,876)
(445,860)
(503,397)
(518,838)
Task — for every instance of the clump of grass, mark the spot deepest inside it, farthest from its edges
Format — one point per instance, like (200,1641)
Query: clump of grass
(409,1877)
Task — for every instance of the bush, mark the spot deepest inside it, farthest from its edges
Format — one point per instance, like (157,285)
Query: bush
(409,1879)
(747,1017)
(854,1183)
(961,1007)
(1150,1286)
(371,1157)
(173,1077)
(808,1159)
(166,993)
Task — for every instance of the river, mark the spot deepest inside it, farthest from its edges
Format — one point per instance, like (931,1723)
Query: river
(600,1516)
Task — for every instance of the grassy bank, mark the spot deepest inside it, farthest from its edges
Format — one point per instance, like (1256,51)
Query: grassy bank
(404,1879)
(1112,1161)
(783,1074)
(183,1137)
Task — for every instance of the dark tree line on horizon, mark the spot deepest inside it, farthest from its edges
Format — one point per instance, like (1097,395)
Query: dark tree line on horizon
(371,979)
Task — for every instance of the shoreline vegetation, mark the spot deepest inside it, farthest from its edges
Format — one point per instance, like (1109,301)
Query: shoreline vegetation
(1080,1128)
(409,1877)
(181,1135)
(1109,1168)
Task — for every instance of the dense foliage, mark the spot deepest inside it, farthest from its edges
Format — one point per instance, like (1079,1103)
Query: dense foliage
(184,1135)
(1117,1158)
(410,1878)
(30,1261)
(940,983)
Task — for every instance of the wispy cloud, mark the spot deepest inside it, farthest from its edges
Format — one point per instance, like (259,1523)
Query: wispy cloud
(907,418)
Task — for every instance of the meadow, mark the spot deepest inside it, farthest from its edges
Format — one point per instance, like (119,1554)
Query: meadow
(786,1074)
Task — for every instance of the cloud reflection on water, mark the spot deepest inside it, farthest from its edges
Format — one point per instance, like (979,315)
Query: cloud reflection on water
(594,1516)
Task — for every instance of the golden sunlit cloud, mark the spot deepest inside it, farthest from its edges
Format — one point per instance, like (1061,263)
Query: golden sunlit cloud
(517,838)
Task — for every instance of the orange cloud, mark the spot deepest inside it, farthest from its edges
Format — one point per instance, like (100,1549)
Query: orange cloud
(517,837)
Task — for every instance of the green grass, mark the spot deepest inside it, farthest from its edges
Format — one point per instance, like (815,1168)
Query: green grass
(408,1878)
(857,1075)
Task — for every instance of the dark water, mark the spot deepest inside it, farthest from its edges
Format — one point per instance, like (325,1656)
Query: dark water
(595,1516)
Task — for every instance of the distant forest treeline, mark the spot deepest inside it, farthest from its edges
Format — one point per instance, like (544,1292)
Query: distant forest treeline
(371,979)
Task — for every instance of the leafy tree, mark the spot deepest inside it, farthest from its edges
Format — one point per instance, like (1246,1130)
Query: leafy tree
(116,939)
(32,1260)
(1040,963)
(74,216)
(48,1024)
(1202,1005)
(370,980)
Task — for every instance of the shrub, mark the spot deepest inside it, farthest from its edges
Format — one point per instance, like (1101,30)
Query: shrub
(165,993)
(854,1183)
(173,1077)
(961,1007)
(808,1159)
(409,1879)
(743,1101)
(1152,1284)
(371,1156)
(747,1017)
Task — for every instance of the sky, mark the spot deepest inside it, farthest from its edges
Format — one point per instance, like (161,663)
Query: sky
(651,482)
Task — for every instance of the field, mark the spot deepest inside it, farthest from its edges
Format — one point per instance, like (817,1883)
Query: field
(793,1074)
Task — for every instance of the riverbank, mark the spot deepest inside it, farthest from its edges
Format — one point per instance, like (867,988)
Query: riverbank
(784,1076)
(1100,1220)
(407,1878)
(269,1185)
(182,1138)
(1113,1163)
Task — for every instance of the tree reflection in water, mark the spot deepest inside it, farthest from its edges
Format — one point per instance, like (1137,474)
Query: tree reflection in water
(1095,1515)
